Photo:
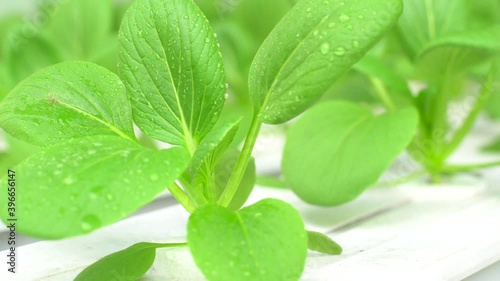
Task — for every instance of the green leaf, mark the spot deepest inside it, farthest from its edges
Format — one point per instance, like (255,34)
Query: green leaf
(66,101)
(171,65)
(223,172)
(80,27)
(266,241)
(86,183)
(376,69)
(425,20)
(310,48)
(126,265)
(321,243)
(457,52)
(213,146)
(338,149)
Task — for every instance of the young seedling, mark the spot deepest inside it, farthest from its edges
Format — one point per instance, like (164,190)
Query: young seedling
(92,171)
(337,149)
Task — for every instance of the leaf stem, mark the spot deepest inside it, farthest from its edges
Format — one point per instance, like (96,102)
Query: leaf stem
(382,93)
(239,170)
(182,197)
(465,168)
(471,118)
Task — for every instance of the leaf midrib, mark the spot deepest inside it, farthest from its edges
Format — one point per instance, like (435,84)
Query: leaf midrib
(110,126)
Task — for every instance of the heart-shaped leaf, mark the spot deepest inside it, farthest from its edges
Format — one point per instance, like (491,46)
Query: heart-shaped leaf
(266,241)
(67,101)
(315,43)
(86,183)
(173,70)
(338,149)
(126,265)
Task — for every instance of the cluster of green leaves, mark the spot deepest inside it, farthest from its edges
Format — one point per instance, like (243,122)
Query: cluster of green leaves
(330,158)
(92,171)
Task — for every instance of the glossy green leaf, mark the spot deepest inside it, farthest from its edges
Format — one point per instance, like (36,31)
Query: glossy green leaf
(171,65)
(223,172)
(311,47)
(321,243)
(493,102)
(80,28)
(213,146)
(266,241)
(338,149)
(457,52)
(426,20)
(86,183)
(66,101)
(126,265)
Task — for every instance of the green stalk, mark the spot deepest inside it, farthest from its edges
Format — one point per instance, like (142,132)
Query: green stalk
(382,93)
(460,134)
(182,197)
(466,168)
(241,165)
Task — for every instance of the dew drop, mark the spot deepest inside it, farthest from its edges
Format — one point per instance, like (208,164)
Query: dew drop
(331,25)
(207,40)
(355,44)
(69,180)
(344,18)
(141,34)
(89,223)
(340,51)
(154,177)
(325,48)
(110,197)
(315,33)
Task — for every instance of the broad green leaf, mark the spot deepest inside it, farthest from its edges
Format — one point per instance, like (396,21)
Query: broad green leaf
(223,172)
(80,27)
(311,47)
(173,71)
(338,149)
(266,241)
(213,146)
(126,265)
(388,78)
(84,184)
(321,243)
(456,52)
(425,20)
(66,101)
(26,55)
